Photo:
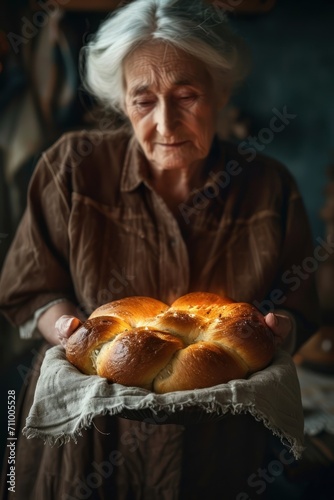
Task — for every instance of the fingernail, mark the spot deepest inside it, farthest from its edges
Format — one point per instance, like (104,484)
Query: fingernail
(275,319)
(63,323)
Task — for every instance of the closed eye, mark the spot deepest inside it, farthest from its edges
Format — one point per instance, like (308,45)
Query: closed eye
(144,103)
(187,98)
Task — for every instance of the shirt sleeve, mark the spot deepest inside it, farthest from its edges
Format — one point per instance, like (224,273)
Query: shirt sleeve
(29,329)
(36,269)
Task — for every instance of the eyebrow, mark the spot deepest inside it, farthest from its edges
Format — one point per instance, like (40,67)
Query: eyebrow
(141,89)
(184,82)
(138,90)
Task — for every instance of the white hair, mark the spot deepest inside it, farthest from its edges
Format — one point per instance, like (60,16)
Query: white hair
(197,28)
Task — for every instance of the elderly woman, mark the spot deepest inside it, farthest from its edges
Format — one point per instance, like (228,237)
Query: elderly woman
(159,208)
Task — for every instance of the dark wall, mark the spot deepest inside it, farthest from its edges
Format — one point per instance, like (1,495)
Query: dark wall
(293,66)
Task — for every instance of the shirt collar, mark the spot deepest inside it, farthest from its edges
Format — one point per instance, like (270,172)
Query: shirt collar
(136,166)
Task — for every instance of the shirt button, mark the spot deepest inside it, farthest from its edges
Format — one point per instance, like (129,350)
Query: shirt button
(172,242)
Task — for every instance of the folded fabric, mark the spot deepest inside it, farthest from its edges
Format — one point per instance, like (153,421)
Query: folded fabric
(317,392)
(66,401)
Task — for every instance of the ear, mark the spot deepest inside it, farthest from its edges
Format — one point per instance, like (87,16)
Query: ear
(124,108)
(123,101)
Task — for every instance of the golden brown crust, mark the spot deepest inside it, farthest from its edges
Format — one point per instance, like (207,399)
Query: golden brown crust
(82,347)
(201,340)
(136,357)
(200,365)
(136,311)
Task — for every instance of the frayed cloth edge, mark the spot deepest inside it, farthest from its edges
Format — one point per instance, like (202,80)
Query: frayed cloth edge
(295,447)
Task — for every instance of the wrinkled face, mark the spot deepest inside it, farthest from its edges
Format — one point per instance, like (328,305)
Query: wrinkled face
(171,104)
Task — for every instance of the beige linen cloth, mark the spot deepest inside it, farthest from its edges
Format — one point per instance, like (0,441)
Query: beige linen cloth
(66,401)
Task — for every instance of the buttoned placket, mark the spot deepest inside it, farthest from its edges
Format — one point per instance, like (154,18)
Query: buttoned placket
(174,269)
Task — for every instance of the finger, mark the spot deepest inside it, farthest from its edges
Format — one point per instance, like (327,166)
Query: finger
(280,325)
(65,326)
(271,320)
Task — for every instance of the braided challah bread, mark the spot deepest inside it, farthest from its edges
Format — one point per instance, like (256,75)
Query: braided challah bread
(201,340)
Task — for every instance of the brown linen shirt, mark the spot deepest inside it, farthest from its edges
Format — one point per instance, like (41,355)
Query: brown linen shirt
(95,231)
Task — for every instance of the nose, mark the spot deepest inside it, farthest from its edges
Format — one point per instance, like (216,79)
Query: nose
(166,118)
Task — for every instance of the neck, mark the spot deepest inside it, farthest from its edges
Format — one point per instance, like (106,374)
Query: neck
(175,185)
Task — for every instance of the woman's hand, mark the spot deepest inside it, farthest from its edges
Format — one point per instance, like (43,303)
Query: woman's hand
(65,326)
(281,325)
(58,322)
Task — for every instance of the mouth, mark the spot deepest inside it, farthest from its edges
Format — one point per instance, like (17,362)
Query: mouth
(172,145)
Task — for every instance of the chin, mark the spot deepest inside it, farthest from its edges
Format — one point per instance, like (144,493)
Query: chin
(175,161)
(176,165)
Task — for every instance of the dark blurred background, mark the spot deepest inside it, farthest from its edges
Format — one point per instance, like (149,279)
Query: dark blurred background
(292,45)
(293,66)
